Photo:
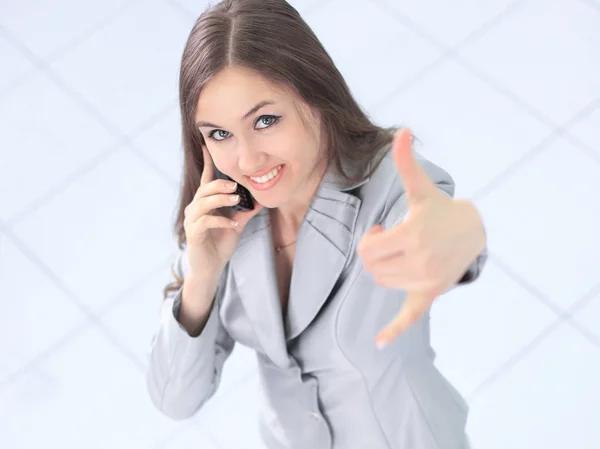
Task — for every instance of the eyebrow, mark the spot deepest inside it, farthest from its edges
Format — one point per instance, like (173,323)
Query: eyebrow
(262,104)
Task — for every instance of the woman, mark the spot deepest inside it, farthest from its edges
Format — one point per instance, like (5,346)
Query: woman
(349,227)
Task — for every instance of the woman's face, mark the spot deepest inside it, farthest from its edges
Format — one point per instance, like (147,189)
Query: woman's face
(255,134)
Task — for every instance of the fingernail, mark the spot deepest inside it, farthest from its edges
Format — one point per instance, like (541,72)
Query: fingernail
(234,198)
(231,185)
(381,343)
(234,223)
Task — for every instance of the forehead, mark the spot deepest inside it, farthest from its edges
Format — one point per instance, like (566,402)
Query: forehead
(233,91)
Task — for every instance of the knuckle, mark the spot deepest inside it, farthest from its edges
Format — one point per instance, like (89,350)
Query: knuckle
(203,221)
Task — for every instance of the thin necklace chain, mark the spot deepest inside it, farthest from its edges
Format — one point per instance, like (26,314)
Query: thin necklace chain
(280,248)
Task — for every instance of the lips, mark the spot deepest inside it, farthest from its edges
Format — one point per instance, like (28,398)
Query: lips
(268,180)
(266,177)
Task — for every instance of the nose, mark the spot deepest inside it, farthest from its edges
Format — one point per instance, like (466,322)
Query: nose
(250,159)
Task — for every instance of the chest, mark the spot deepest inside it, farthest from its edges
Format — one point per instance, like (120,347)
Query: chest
(284,261)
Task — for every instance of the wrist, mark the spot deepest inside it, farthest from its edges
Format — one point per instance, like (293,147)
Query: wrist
(198,294)
(475,226)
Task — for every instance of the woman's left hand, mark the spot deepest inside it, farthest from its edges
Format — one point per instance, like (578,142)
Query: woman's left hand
(429,251)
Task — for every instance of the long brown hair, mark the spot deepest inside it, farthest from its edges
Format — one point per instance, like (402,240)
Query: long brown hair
(270,38)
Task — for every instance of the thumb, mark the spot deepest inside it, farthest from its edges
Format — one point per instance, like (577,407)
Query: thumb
(416,182)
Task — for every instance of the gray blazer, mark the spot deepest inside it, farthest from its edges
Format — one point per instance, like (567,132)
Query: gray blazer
(324,383)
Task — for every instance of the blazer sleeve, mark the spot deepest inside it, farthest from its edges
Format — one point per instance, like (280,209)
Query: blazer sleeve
(183,371)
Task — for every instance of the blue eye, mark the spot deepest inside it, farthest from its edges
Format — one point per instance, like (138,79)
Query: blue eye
(219,135)
(267,120)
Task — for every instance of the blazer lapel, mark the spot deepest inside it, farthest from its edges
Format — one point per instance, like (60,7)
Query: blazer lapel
(254,273)
(323,246)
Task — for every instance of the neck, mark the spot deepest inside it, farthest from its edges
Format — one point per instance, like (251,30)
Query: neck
(289,216)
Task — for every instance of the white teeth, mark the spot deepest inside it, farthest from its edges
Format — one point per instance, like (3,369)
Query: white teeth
(268,176)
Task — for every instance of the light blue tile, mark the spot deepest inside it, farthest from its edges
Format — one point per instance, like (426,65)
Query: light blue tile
(48,26)
(197,7)
(476,329)
(86,395)
(589,315)
(449,22)
(543,222)
(135,318)
(34,314)
(15,66)
(547,53)
(463,125)
(588,130)
(162,144)
(45,137)
(10,363)
(193,7)
(549,400)
(129,69)
(372,50)
(189,438)
(107,231)
(306,6)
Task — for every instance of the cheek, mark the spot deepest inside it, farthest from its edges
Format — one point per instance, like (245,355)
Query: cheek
(225,164)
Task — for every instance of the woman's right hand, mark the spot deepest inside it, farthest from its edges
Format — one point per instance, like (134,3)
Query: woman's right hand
(212,237)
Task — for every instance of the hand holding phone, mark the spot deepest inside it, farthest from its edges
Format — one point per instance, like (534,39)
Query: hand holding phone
(213,223)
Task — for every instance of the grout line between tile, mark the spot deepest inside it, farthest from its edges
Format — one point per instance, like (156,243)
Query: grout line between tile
(408,83)
(533,152)
(516,358)
(591,295)
(511,169)
(564,317)
(452,53)
(88,313)
(131,289)
(511,8)
(33,364)
(519,280)
(432,40)
(63,184)
(86,105)
(112,128)
(585,332)
(592,4)
(584,300)
(70,46)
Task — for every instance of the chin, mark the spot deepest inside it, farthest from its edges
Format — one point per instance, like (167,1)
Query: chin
(269,203)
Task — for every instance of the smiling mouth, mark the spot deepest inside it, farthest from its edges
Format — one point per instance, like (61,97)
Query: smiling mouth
(267,177)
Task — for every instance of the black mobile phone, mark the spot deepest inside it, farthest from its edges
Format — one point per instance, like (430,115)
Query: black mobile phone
(246,201)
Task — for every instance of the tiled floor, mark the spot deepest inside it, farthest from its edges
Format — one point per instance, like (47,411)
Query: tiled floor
(505,94)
